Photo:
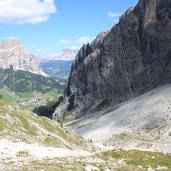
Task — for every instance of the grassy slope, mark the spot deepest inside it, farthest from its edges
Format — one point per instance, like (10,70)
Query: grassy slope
(23,126)
(7,97)
(21,88)
(20,125)
(23,81)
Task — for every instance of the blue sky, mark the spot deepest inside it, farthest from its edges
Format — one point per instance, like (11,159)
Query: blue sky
(48,26)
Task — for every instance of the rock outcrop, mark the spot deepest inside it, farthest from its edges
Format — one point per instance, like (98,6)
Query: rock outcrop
(13,53)
(130,59)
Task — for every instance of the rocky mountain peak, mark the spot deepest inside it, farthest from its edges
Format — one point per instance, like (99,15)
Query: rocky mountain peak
(128,60)
(98,40)
(146,10)
(11,42)
(13,53)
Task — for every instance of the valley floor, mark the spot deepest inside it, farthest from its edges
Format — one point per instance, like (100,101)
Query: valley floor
(20,156)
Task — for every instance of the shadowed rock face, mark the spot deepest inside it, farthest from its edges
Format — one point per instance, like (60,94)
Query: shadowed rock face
(130,59)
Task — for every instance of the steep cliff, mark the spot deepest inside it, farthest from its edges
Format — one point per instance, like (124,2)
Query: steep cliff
(13,53)
(130,59)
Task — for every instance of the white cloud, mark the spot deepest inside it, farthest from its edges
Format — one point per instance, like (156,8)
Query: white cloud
(26,11)
(73,47)
(64,41)
(113,14)
(84,40)
(38,50)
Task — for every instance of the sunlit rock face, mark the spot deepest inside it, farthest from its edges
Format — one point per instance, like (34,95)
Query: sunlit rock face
(13,53)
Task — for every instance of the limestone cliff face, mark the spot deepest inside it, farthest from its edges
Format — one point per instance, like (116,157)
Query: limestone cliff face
(130,59)
(13,53)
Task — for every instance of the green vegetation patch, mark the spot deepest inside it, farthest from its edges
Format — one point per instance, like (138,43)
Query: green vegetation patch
(48,109)
(24,126)
(23,81)
(23,153)
(137,158)
(6,96)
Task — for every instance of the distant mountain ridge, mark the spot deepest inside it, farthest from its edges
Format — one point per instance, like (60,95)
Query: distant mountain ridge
(13,53)
(59,65)
(57,68)
(66,55)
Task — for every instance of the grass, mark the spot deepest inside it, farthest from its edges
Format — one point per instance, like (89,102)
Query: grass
(132,161)
(2,125)
(123,136)
(7,97)
(26,95)
(21,125)
(28,107)
(23,153)
(52,94)
(23,81)
(135,158)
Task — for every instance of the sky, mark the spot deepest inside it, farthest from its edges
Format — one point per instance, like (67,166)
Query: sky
(48,26)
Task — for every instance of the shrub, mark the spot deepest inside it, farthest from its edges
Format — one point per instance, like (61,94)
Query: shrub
(49,109)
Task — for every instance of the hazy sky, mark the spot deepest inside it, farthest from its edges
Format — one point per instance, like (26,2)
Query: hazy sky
(48,26)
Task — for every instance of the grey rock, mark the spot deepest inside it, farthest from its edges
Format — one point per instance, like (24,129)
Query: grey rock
(130,59)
